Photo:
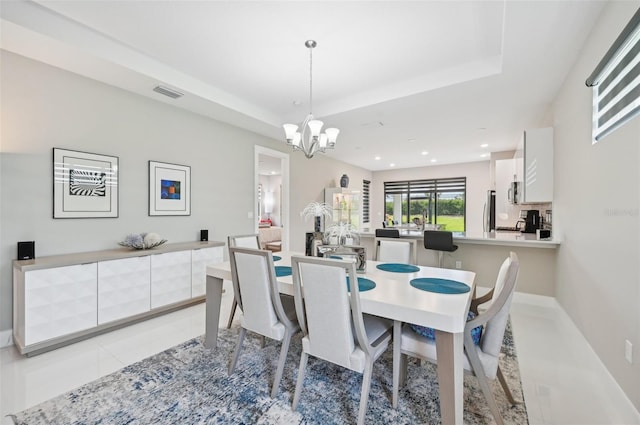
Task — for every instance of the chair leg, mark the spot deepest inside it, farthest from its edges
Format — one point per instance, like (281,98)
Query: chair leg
(234,305)
(236,353)
(283,357)
(364,394)
(506,389)
(301,371)
(491,401)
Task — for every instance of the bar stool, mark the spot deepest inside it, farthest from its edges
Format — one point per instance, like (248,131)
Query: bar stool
(441,241)
(387,233)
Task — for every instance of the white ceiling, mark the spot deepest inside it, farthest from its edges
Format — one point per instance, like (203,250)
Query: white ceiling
(397,78)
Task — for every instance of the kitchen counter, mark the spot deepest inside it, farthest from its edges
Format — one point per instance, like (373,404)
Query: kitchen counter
(483,254)
(500,238)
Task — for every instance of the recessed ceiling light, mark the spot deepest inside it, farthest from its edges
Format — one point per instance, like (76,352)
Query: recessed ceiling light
(273,172)
(484,145)
(484,155)
(425,153)
(296,103)
(392,165)
(411,140)
(433,160)
(377,158)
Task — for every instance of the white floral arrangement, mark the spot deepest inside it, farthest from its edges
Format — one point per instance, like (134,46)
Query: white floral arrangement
(142,240)
(316,209)
(341,232)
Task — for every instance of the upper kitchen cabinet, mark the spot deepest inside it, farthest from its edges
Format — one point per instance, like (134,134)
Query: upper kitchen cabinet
(534,165)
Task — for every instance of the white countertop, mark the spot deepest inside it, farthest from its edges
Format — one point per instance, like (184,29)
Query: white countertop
(491,238)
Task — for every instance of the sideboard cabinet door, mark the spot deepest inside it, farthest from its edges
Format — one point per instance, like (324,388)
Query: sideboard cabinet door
(124,288)
(200,258)
(170,278)
(60,301)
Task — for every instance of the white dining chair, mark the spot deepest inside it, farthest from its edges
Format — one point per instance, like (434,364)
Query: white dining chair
(482,359)
(394,250)
(265,311)
(240,241)
(333,325)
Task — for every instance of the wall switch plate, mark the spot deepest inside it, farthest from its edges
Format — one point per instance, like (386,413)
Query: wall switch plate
(628,351)
(250,214)
(458,264)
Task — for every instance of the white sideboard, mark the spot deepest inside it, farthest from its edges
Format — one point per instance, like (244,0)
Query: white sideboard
(61,299)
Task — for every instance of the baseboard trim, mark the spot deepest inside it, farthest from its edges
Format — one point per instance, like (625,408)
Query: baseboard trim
(6,338)
(539,300)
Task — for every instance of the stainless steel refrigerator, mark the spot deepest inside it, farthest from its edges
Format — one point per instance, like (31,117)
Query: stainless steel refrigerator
(489,217)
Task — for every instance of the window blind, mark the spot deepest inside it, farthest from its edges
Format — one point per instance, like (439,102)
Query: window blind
(616,82)
(365,200)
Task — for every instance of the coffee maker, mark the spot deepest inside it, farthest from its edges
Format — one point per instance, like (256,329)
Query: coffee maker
(531,221)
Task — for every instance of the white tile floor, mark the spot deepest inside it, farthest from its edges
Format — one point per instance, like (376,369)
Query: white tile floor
(563,381)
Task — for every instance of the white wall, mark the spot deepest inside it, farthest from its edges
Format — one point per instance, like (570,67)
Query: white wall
(596,212)
(44,107)
(478,182)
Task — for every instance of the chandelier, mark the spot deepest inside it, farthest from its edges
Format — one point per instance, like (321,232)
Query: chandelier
(311,140)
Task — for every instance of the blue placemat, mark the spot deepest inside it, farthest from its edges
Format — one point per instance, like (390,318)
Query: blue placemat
(277,258)
(398,268)
(441,286)
(364,284)
(283,271)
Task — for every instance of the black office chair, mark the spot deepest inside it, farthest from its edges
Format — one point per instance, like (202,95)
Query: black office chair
(387,233)
(440,241)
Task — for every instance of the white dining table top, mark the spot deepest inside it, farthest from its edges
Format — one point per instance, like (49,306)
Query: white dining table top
(394,297)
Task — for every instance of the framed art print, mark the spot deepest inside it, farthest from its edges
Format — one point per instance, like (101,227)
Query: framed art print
(85,185)
(169,189)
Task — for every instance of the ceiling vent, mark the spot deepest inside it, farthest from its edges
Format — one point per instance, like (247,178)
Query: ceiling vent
(174,94)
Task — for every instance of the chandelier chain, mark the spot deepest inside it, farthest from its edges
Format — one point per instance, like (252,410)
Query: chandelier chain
(310,80)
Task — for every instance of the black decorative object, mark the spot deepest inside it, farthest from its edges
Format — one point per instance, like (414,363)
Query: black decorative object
(344,181)
(317,224)
(26,250)
(312,241)
(204,235)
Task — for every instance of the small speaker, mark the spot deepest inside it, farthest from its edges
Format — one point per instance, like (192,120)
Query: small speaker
(204,235)
(26,250)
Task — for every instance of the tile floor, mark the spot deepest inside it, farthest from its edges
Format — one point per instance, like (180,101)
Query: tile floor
(563,381)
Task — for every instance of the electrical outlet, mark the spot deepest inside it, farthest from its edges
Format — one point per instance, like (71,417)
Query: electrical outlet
(458,265)
(250,214)
(628,351)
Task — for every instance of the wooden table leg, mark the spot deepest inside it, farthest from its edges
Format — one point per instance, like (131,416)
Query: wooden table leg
(450,351)
(212,311)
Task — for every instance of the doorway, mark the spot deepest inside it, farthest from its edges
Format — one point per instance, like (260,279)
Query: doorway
(271,181)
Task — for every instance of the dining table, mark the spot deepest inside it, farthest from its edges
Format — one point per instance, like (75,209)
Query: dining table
(393,295)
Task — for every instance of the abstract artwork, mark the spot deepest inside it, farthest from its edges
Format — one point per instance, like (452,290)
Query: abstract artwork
(169,189)
(85,185)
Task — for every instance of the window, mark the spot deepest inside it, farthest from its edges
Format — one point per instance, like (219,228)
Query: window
(435,201)
(616,82)
(365,200)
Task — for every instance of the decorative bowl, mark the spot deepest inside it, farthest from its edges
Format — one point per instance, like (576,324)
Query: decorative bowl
(142,241)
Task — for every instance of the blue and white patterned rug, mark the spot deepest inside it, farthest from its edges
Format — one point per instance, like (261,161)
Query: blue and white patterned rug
(188,384)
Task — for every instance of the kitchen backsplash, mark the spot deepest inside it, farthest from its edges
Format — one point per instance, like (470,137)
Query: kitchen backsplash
(508,215)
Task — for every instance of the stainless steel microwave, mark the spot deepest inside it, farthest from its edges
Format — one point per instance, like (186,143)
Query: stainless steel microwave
(514,194)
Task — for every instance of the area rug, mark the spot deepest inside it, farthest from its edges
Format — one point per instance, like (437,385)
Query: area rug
(188,384)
